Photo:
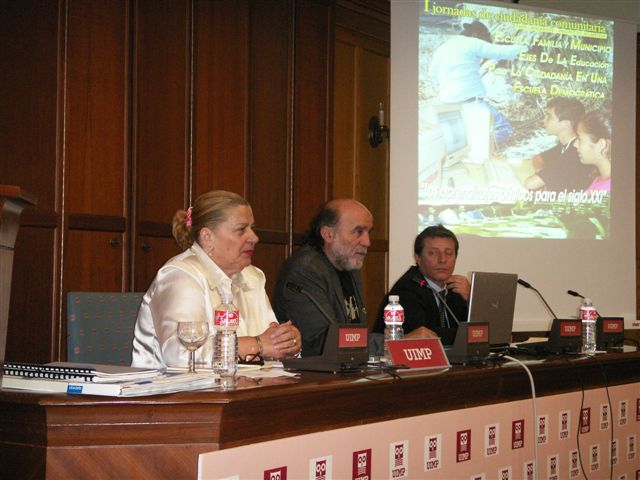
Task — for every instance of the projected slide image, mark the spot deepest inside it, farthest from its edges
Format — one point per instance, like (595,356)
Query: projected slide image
(514,127)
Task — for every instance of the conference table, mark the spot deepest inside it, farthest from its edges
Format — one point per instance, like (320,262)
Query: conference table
(280,428)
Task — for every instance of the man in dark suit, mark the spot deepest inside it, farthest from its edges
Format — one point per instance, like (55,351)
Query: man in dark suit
(428,287)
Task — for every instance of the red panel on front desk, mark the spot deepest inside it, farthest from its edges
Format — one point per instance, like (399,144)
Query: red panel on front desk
(419,353)
(352,337)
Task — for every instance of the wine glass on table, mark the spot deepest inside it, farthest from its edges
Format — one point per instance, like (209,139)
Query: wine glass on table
(193,335)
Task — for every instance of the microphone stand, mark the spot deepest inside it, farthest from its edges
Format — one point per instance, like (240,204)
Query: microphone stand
(298,289)
(528,285)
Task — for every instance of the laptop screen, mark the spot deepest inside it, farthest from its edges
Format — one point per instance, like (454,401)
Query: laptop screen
(493,300)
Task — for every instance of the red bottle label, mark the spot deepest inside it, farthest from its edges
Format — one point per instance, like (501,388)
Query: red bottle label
(227,318)
(588,314)
(395,317)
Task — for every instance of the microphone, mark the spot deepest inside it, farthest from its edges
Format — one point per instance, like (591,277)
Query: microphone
(526,284)
(298,289)
(573,293)
(423,283)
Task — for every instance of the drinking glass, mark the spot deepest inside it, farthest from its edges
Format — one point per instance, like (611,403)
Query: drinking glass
(192,336)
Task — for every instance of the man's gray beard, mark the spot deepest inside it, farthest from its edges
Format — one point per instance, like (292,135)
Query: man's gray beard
(347,264)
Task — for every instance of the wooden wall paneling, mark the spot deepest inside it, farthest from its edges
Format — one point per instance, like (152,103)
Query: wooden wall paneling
(31,335)
(161,126)
(102,267)
(372,164)
(313,74)
(270,138)
(30,35)
(161,103)
(97,108)
(152,253)
(270,83)
(29,38)
(269,257)
(344,123)
(220,96)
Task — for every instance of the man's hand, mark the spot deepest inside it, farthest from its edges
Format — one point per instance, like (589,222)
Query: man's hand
(421,332)
(460,285)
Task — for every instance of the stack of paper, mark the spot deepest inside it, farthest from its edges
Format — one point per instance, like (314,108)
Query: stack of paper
(95,379)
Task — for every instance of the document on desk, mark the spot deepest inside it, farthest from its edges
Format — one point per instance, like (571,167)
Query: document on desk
(169,382)
(270,369)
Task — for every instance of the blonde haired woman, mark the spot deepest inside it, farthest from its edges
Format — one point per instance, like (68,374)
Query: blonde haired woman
(218,239)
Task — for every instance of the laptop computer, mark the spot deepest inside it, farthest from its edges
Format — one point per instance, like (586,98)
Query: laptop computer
(493,300)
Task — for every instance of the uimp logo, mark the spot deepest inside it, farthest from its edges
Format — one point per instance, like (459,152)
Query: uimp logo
(631,447)
(352,337)
(491,439)
(613,326)
(504,473)
(595,457)
(552,467)
(529,470)
(585,420)
(399,459)
(565,417)
(432,452)
(614,451)
(574,466)
(543,421)
(478,333)
(517,434)
(570,329)
(638,410)
(398,455)
(320,468)
(279,473)
(604,416)
(423,353)
(362,465)
(463,446)
(622,412)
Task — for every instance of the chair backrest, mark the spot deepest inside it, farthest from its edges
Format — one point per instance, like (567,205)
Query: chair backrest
(100,326)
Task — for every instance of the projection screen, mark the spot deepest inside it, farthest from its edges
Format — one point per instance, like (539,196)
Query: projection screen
(481,97)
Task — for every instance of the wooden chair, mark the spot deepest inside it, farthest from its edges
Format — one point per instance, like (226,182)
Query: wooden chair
(100,326)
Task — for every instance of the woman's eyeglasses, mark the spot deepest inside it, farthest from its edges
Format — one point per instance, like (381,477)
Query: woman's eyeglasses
(252,359)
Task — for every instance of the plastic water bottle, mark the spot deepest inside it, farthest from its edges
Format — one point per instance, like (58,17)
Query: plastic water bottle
(225,344)
(588,315)
(393,320)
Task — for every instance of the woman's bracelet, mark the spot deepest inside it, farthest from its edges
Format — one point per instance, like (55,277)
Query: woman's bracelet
(260,346)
